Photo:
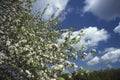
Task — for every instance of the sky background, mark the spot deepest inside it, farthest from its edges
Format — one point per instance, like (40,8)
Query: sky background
(100,21)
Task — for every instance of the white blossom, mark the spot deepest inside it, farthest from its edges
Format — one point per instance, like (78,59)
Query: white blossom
(8,43)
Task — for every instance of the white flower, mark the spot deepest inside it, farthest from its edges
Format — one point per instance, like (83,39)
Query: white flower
(17,45)
(42,64)
(54,46)
(67,63)
(61,60)
(57,67)
(93,51)
(75,66)
(1,31)
(46,56)
(28,72)
(60,66)
(85,54)
(74,55)
(25,48)
(8,43)
(78,37)
(52,79)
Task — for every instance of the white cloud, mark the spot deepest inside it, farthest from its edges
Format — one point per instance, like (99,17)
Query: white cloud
(88,57)
(55,6)
(94,61)
(117,29)
(109,66)
(105,9)
(92,36)
(64,13)
(111,55)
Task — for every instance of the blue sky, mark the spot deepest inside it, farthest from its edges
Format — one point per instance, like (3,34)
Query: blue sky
(99,19)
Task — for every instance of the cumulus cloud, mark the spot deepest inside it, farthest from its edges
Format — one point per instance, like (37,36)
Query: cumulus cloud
(92,36)
(55,6)
(117,29)
(105,9)
(111,55)
(93,61)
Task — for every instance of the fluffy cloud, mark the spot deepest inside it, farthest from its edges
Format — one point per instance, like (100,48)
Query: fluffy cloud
(55,6)
(111,55)
(93,61)
(105,9)
(117,29)
(92,36)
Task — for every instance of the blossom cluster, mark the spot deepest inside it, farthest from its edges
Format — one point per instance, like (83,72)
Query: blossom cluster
(30,47)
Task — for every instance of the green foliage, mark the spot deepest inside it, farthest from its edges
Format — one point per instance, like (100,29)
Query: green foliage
(107,74)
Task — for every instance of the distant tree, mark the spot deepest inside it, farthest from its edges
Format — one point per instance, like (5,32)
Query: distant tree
(106,74)
(29,47)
